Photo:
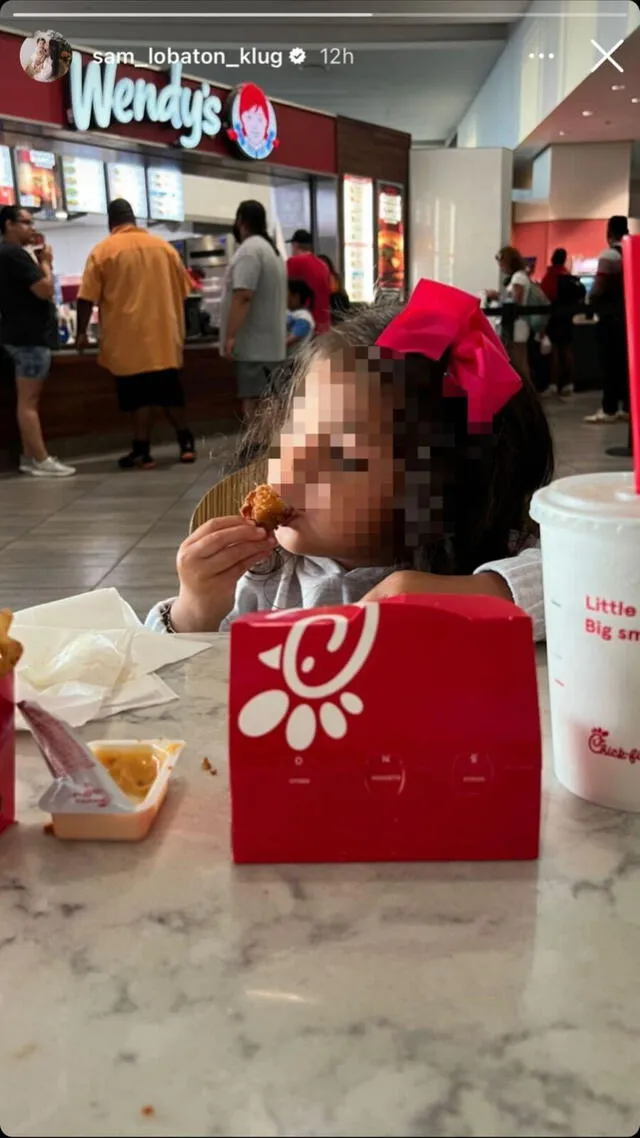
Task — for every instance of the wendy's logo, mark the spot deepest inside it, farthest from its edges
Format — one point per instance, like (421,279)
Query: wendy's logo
(250,122)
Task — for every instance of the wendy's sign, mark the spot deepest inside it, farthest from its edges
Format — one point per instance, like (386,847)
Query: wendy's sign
(98,99)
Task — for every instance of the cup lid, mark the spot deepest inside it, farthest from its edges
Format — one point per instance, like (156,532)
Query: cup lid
(605,498)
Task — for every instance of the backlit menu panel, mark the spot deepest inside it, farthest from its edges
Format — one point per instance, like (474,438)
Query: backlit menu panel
(84,185)
(391,253)
(39,184)
(127,180)
(166,199)
(7,185)
(358,257)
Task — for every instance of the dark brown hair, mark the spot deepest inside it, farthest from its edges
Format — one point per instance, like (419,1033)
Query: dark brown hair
(461,498)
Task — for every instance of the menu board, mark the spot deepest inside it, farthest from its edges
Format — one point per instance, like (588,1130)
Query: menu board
(7,185)
(391,263)
(126,180)
(358,238)
(84,185)
(39,184)
(166,201)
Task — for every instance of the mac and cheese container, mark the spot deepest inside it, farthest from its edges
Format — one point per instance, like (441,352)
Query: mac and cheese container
(103,825)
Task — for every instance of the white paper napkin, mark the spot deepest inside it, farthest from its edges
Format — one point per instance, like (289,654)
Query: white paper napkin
(89,657)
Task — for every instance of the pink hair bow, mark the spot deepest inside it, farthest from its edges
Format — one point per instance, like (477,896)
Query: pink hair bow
(438,317)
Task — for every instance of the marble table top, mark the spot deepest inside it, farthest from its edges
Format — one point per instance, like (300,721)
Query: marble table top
(155,989)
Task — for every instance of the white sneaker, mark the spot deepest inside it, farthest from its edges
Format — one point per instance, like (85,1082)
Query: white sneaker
(622,416)
(600,417)
(549,392)
(49,468)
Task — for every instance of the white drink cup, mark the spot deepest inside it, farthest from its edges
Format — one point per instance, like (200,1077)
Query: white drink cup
(590,535)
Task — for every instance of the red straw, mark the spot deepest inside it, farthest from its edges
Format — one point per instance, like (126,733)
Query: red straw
(631,267)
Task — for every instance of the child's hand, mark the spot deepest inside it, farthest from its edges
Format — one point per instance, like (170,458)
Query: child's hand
(210,564)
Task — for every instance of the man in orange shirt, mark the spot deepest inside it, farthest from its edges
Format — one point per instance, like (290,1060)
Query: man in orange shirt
(139,284)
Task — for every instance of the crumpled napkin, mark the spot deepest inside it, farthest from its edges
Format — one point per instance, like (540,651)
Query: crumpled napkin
(89,657)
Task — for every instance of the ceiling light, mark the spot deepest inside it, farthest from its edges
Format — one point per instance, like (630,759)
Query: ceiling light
(635,100)
(540,55)
(551,55)
(587,114)
(617,87)
(532,55)
(561,133)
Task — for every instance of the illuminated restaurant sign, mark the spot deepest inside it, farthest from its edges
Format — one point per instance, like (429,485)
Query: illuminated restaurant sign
(99,98)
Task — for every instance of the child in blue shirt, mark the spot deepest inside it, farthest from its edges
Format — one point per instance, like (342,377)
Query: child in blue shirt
(301,325)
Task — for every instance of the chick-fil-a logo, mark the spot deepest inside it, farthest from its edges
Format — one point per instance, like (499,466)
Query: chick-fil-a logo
(251,122)
(267,710)
(99,98)
(598,746)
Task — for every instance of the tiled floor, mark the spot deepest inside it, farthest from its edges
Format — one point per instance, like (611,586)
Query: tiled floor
(105,527)
(102,527)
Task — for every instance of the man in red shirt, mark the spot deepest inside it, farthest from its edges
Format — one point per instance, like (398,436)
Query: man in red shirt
(304,265)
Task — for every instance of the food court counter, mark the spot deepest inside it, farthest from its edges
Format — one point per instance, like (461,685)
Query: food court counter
(156,989)
(80,413)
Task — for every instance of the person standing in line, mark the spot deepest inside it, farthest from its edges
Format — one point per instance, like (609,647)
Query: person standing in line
(339,302)
(607,299)
(303,265)
(300,322)
(516,288)
(253,312)
(28,325)
(139,284)
(562,290)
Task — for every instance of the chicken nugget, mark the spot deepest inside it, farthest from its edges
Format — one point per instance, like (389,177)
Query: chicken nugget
(266,508)
(10,650)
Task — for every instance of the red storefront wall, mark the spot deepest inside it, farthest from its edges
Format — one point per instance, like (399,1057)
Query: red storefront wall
(307,139)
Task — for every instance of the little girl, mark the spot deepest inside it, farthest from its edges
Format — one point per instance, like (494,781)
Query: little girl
(409,452)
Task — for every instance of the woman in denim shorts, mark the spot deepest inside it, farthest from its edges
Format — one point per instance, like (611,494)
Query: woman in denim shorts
(26,295)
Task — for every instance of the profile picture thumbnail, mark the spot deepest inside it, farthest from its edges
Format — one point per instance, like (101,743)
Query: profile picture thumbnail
(45,56)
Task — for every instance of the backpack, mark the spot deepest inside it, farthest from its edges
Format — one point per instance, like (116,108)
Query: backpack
(570,291)
(535,296)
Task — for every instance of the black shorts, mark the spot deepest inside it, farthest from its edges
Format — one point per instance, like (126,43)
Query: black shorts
(150,389)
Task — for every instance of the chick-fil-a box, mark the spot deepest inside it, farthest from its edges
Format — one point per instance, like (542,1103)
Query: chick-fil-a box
(7,752)
(400,731)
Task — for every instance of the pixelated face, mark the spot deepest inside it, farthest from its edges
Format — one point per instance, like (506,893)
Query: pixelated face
(335,464)
(255,123)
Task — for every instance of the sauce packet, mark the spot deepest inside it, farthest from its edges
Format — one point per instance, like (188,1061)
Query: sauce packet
(81,782)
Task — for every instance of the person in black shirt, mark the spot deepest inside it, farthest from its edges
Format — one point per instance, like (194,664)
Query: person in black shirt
(607,300)
(338,298)
(26,308)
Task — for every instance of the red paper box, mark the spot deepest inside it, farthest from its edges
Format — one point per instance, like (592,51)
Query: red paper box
(402,731)
(7,753)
